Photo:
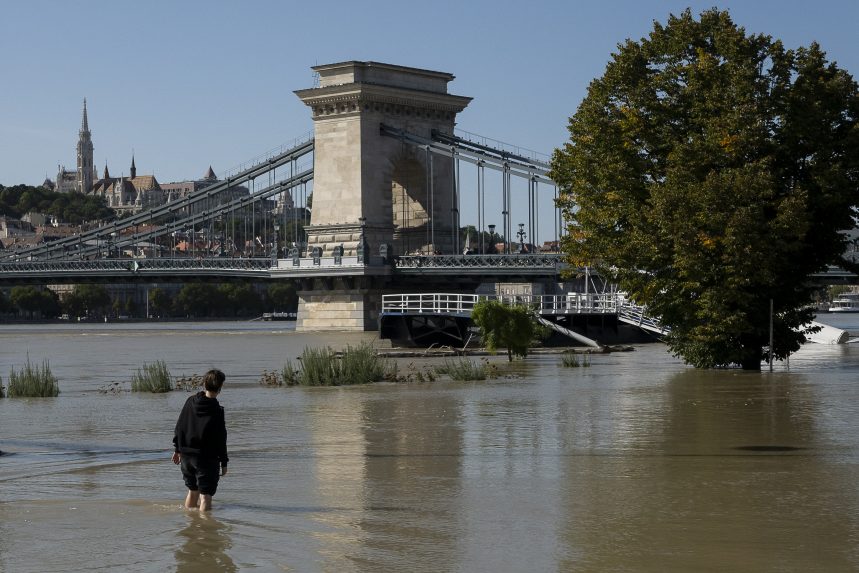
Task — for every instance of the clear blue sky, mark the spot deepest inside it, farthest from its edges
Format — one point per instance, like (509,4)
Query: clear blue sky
(186,84)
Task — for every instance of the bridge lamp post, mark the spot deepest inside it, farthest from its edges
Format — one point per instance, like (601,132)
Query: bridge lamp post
(491,239)
(274,248)
(521,234)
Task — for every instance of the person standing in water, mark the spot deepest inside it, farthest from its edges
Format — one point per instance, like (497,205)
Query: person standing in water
(200,442)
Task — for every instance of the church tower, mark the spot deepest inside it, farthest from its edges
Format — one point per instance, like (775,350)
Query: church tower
(85,161)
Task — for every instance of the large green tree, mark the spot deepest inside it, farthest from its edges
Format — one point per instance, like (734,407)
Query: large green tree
(709,171)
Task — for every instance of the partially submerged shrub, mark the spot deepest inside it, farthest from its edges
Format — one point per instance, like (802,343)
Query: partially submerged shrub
(505,326)
(324,367)
(189,383)
(270,379)
(33,382)
(463,369)
(572,360)
(361,365)
(152,378)
(112,388)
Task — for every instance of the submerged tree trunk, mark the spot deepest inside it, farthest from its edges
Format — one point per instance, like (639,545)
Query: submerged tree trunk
(751,357)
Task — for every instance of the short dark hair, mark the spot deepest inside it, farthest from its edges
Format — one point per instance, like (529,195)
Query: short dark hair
(213,380)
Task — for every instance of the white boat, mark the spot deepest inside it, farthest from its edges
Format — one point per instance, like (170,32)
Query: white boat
(847,302)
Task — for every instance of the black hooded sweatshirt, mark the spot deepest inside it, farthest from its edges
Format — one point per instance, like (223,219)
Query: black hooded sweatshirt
(200,429)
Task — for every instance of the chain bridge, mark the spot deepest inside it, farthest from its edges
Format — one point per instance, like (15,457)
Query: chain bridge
(368,203)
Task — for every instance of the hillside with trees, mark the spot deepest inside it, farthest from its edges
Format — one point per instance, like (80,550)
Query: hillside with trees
(72,208)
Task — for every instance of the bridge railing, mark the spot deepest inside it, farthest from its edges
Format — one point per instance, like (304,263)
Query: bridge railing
(463,304)
(535,260)
(632,313)
(134,265)
(430,303)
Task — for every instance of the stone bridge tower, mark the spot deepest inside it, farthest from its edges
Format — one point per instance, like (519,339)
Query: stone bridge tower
(398,193)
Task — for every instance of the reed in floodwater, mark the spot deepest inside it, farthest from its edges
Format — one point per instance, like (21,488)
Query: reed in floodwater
(464,370)
(33,382)
(324,367)
(153,378)
(571,360)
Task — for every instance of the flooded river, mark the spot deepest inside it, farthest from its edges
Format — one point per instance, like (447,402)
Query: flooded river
(637,463)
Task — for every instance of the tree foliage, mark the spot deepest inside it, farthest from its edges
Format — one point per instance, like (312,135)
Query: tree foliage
(160,303)
(282,297)
(87,300)
(505,326)
(211,300)
(5,304)
(35,302)
(73,208)
(709,171)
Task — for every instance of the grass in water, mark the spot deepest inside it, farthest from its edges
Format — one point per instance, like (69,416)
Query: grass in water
(153,378)
(572,360)
(33,382)
(323,367)
(463,369)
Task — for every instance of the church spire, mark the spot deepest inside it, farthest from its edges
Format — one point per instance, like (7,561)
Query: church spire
(84,121)
(86,167)
(133,168)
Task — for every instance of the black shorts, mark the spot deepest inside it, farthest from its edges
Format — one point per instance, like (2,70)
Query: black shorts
(201,473)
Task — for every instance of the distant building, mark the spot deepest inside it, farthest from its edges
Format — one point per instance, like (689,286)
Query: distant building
(129,194)
(14,228)
(139,192)
(180,189)
(81,178)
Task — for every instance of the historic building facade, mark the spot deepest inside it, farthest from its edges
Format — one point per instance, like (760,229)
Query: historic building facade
(132,193)
(123,194)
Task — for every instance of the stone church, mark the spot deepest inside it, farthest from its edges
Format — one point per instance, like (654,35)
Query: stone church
(123,194)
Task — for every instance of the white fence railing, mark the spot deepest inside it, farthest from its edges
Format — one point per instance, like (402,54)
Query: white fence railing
(463,304)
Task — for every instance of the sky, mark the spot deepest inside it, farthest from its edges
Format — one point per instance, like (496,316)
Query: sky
(188,84)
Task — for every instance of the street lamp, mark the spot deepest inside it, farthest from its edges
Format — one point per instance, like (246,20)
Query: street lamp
(274,248)
(491,239)
(521,234)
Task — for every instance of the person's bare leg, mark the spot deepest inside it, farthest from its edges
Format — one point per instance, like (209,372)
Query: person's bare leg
(192,499)
(205,502)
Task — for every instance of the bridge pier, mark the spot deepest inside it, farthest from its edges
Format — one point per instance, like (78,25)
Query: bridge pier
(343,304)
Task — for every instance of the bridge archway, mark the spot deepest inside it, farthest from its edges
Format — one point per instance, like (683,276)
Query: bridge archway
(410,205)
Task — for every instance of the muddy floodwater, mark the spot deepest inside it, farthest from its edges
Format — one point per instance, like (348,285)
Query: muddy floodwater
(636,463)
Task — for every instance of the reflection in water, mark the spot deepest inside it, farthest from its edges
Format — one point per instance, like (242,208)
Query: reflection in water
(414,453)
(727,470)
(205,542)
